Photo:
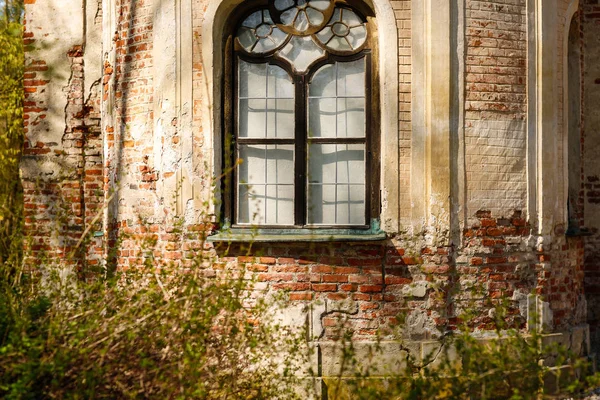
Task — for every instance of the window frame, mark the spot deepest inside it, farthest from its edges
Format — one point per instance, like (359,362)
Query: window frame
(301,81)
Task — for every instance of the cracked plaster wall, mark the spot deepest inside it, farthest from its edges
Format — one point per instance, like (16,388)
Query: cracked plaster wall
(157,132)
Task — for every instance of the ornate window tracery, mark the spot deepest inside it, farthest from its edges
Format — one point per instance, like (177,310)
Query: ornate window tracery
(302,118)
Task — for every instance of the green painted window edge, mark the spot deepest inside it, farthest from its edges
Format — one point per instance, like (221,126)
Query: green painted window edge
(258,235)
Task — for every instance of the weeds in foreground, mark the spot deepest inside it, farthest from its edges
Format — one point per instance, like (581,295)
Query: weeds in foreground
(504,363)
(146,333)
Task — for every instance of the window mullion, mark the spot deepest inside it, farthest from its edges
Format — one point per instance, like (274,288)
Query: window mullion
(300,150)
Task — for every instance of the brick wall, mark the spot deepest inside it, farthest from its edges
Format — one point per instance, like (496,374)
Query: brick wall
(402,10)
(62,193)
(130,161)
(590,22)
(371,284)
(495,109)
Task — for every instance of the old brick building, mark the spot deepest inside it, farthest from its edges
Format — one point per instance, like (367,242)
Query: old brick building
(415,156)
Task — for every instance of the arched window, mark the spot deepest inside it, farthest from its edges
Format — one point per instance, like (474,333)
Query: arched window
(302,118)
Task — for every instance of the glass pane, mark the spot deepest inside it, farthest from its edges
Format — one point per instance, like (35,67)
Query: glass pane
(253,20)
(289,16)
(280,118)
(251,207)
(319,4)
(301,23)
(279,36)
(322,83)
(339,43)
(301,52)
(280,205)
(358,203)
(357,36)
(315,17)
(266,185)
(322,117)
(350,18)
(252,80)
(266,101)
(350,163)
(324,35)
(337,182)
(252,121)
(350,117)
(342,211)
(321,204)
(283,4)
(280,164)
(279,83)
(247,38)
(253,169)
(351,78)
(264,45)
(267,17)
(350,205)
(322,163)
(336,105)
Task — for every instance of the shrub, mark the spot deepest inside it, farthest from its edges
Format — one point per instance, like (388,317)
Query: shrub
(144,333)
(504,363)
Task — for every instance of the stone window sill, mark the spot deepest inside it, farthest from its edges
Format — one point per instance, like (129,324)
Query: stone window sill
(298,235)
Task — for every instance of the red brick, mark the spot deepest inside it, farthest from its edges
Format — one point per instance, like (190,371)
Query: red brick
(370,288)
(324,287)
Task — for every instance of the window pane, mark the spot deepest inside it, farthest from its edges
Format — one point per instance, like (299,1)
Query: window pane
(266,101)
(280,118)
(280,205)
(337,182)
(322,117)
(251,204)
(266,185)
(253,80)
(253,167)
(280,84)
(323,82)
(322,163)
(336,105)
(252,118)
(301,52)
(350,163)
(350,117)
(321,204)
(351,78)
(350,204)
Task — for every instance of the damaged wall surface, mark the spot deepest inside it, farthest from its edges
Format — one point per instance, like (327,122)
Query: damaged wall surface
(480,127)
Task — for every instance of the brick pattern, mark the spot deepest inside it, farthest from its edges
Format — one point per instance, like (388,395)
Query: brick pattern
(495,109)
(377,279)
(590,18)
(402,11)
(60,209)
(129,162)
(561,281)
(405,275)
(495,262)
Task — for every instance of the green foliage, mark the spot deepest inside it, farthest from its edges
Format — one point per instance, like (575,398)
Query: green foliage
(145,333)
(504,363)
(11,128)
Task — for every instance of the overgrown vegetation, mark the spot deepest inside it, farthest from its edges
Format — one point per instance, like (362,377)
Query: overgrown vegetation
(145,334)
(504,363)
(11,128)
(202,332)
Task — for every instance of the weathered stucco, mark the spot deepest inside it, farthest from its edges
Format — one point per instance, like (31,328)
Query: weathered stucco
(124,102)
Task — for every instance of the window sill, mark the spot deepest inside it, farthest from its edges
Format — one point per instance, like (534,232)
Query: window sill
(298,235)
